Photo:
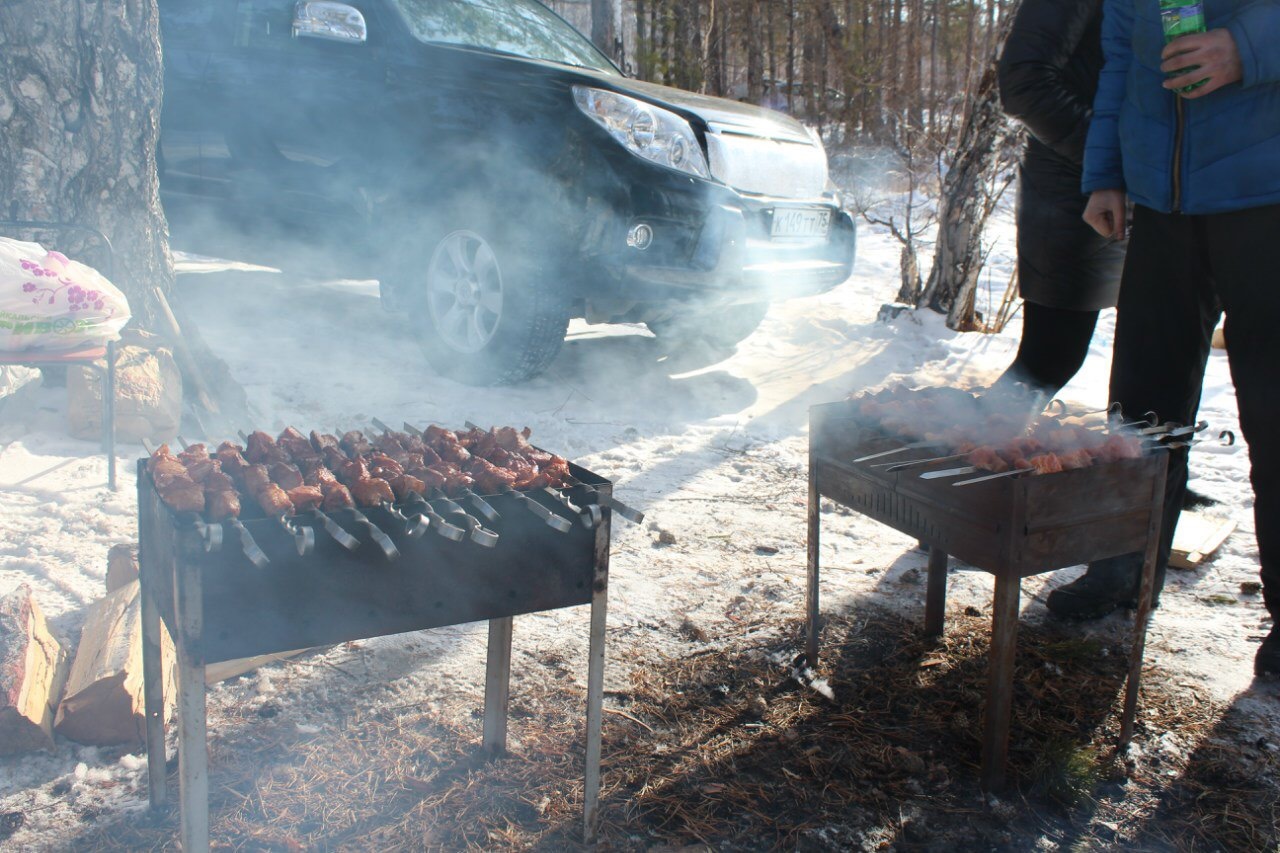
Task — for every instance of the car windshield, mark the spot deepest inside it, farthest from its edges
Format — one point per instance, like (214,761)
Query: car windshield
(519,27)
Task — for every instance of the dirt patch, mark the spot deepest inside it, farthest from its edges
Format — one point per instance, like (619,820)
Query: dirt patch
(727,748)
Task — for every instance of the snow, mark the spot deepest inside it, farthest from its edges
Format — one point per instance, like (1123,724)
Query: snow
(714,453)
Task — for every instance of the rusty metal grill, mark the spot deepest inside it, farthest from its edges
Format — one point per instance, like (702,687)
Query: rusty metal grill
(220,604)
(1012,527)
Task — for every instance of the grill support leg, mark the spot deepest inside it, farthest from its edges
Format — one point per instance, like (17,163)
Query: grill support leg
(813,623)
(497,685)
(595,682)
(935,600)
(153,701)
(193,748)
(1004,640)
(1146,592)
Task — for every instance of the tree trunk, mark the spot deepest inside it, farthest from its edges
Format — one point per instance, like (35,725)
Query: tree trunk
(80,90)
(602,28)
(966,203)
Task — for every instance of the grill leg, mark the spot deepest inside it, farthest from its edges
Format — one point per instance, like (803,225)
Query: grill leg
(153,700)
(595,683)
(1004,639)
(497,685)
(193,748)
(935,600)
(1146,592)
(813,622)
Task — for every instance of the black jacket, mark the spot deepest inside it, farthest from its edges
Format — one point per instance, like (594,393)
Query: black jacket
(1048,75)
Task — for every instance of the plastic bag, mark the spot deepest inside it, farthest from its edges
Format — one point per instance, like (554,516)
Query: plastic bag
(49,303)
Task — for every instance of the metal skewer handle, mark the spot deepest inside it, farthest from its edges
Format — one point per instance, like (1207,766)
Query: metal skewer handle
(211,534)
(336,531)
(304,538)
(383,541)
(555,522)
(250,548)
(449,531)
(414,526)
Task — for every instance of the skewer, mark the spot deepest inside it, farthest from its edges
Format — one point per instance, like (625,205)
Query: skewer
(250,548)
(479,534)
(631,515)
(983,479)
(414,526)
(335,530)
(898,466)
(948,472)
(912,446)
(480,504)
(383,541)
(304,538)
(444,528)
(555,522)
(211,533)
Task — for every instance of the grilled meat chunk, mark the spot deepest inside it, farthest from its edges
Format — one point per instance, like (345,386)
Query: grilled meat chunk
(306,498)
(337,496)
(222,505)
(372,491)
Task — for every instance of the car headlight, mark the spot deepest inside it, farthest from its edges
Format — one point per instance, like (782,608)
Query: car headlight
(645,130)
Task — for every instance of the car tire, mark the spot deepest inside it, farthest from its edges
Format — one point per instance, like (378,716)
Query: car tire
(484,308)
(722,327)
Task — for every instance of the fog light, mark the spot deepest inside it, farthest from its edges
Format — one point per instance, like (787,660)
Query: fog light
(640,237)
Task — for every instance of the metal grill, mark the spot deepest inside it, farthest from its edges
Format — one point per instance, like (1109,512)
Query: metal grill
(222,600)
(1012,527)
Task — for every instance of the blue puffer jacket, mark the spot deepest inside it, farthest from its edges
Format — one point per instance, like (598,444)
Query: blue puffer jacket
(1230,139)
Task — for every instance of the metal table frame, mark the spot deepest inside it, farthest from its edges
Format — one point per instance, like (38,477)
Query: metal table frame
(83,358)
(1004,620)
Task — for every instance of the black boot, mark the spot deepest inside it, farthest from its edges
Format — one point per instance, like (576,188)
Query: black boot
(1267,660)
(1106,586)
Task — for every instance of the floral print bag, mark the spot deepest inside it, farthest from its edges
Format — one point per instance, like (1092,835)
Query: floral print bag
(49,303)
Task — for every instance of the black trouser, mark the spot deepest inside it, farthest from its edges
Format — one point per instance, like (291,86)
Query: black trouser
(1181,273)
(1054,344)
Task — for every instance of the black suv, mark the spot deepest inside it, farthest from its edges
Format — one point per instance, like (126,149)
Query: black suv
(493,170)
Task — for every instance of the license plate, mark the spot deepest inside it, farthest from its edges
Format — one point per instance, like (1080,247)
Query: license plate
(800,222)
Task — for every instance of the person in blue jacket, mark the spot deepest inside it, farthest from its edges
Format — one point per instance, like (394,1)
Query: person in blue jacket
(1202,168)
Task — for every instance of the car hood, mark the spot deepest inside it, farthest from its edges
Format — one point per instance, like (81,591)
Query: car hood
(720,114)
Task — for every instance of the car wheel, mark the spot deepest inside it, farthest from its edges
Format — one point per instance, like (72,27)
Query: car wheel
(486,314)
(721,327)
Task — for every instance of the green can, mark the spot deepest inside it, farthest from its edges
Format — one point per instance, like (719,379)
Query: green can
(1180,18)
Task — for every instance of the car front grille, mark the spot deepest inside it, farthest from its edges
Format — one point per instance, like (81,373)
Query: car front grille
(770,167)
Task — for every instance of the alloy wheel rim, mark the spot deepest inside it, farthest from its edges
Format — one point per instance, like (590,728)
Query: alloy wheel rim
(464,291)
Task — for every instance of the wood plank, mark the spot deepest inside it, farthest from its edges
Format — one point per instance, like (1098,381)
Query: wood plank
(1197,538)
(104,701)
(33,669)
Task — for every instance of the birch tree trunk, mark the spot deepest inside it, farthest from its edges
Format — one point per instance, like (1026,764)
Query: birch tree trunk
(80,91)
(967,201)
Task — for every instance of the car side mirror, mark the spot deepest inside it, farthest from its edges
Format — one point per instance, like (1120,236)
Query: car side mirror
(323,19)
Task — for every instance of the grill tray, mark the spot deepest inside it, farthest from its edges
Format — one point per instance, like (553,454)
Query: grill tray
(332,595)
(1023,525)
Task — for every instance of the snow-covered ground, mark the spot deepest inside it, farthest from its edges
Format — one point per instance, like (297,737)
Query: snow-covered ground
(714,454)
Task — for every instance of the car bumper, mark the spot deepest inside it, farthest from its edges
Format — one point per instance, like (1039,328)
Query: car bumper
(729,258)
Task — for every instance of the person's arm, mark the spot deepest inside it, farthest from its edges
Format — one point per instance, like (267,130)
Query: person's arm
(1256,30)
(1044,36)
(1102,166)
